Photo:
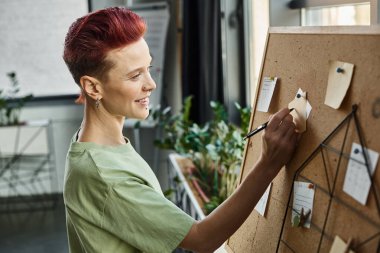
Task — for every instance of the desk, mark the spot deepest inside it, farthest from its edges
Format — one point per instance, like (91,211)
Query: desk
(27,172)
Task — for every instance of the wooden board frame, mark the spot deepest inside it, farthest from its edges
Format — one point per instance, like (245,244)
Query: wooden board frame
(299,57)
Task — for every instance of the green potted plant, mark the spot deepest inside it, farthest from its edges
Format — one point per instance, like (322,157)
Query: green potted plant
(215,148)
(10,103)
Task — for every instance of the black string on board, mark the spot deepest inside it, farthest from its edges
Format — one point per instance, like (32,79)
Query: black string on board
(322,148)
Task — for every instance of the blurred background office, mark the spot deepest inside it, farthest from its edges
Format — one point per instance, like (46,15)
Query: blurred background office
(209,49)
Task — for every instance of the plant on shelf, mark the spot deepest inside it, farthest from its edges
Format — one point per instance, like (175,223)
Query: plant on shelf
(215,148)
(10,103)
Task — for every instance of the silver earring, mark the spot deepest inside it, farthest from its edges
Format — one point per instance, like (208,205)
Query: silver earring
(97,103)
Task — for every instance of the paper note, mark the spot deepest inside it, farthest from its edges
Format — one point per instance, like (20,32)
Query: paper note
(308,109)
(266,93)
(339,246)
(262,204)
(302,109)
(340,74)
(303,198)
(357,182)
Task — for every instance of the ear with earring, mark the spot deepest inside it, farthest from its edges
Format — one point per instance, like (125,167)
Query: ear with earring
(97,103)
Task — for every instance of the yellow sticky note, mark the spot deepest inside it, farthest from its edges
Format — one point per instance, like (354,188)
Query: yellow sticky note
(340,74)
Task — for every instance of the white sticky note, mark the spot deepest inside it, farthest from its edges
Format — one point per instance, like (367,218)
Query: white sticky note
(303,197)
(262,204)
(308,109)
(339,246)
(357,182)
(308,105)
(266,93)
(302,109)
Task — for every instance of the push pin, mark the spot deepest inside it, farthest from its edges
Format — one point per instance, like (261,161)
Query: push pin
(356,151)
(339,70)
(298,95)
(301,219)
(304,217)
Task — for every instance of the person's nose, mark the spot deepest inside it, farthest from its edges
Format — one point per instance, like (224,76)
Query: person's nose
(150,84)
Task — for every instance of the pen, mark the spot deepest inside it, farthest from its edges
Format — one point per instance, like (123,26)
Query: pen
(259,128)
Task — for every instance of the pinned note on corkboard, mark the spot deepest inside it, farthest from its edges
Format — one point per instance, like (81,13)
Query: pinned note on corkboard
(340,74)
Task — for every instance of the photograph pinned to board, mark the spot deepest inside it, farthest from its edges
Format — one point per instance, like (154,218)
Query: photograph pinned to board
(302,109)
(266,93)
(340,75)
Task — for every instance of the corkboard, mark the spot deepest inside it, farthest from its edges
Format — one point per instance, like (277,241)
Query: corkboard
(299,58)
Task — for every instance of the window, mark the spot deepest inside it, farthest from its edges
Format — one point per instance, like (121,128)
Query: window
(353,14)
(256,27)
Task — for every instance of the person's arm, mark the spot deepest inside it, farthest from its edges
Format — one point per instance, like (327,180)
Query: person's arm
(279,141)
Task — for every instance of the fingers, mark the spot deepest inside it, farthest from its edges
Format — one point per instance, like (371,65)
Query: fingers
(289,128)
(277,118)
(287,121)
(281,125)
(279,139)
(286,128)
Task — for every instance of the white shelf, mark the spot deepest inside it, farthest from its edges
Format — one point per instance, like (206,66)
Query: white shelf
(194,209)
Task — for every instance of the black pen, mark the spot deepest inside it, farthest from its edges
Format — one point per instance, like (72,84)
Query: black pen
(259,128)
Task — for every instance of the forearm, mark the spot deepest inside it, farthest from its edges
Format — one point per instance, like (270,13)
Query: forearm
(278,144)
(217,227)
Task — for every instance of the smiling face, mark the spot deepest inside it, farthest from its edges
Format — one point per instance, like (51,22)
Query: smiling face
(128,84)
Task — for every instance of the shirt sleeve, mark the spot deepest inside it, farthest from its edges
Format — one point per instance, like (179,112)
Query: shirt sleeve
(144,218)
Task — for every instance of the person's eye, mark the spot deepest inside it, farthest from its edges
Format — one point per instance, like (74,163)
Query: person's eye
(150,67)
(135,77)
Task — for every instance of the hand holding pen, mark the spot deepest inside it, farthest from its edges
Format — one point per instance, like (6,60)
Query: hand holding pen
(279,141)
(259,128)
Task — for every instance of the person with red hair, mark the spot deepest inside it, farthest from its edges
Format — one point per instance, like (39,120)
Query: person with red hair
(112,198)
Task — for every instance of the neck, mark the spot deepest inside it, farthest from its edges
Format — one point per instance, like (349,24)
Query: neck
(100,127)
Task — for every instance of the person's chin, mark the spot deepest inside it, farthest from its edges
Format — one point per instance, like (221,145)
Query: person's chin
(142,116)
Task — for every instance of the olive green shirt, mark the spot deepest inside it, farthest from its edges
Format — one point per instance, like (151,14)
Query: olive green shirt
(114,203)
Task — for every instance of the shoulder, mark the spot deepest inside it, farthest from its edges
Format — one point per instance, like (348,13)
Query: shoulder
(114,164)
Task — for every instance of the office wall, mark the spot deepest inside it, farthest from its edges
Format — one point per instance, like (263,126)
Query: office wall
(100,4)
(66,116)
(32,44)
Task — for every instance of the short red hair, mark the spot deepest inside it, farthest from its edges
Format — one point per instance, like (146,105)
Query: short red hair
(91,37)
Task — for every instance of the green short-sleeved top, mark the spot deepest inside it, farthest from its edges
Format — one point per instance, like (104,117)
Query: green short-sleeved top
(114,203)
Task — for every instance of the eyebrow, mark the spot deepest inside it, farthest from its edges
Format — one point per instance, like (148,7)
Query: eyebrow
(138,68)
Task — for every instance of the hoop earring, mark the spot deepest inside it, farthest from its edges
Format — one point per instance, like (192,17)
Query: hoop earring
(97,103)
